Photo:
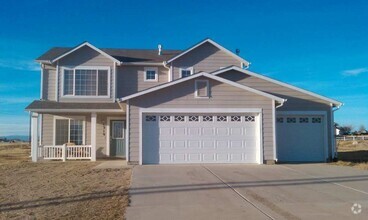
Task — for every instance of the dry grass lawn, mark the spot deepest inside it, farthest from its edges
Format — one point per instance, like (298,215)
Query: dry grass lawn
(353,153)
(57,190)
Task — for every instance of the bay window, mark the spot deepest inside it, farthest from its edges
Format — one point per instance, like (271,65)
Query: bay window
(86,82)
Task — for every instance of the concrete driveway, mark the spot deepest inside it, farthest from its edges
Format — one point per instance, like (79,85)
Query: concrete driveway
(312,191)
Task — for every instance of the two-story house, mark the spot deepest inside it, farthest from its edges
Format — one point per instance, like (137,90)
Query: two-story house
(200,105)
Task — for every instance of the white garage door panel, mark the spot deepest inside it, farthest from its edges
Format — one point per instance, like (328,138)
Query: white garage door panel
(191,138)
(301,138)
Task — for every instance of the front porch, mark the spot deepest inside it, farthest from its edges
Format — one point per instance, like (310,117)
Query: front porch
(78,134)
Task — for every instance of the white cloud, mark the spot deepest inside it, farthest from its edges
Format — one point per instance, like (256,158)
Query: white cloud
(355,72)
(27,65)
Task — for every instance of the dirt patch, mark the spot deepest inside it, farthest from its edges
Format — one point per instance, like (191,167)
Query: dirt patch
(49,190)
(353,153)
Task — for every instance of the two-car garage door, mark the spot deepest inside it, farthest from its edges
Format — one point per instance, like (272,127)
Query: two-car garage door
(200,138)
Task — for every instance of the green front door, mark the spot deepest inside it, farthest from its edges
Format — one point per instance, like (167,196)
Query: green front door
(117,138)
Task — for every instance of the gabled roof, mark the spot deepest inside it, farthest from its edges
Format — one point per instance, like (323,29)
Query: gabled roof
(332,101)
(127,56)
(214,44)
(88,45)
(220,79)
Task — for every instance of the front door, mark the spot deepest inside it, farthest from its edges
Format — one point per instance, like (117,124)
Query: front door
(117,138)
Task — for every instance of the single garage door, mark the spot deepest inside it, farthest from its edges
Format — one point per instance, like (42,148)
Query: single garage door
(199,138)
(300,138)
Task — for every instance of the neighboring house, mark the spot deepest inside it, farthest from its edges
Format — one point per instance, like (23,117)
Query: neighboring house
(200,105)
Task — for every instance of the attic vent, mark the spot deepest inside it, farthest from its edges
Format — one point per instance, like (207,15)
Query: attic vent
(237,51)
(159,49)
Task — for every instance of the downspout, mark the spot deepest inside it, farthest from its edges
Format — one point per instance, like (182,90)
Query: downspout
(333,150)
(169,68)
(274,107)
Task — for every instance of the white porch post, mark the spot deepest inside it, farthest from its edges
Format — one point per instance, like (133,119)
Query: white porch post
(34,136)
(93,135)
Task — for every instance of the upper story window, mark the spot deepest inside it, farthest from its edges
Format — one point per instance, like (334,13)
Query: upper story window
(91,81)
(184,72)
(150,74)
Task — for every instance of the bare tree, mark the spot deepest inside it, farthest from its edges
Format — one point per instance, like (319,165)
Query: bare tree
(361,128)
(346,129)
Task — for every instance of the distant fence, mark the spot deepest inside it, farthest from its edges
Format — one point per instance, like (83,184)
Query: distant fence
(352,138)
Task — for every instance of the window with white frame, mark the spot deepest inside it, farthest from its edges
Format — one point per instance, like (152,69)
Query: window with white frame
(201,88)
(69,131)
(86,81)
(150,74)
(184,72)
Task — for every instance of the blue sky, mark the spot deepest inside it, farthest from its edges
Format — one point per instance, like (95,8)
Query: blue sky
(318,45)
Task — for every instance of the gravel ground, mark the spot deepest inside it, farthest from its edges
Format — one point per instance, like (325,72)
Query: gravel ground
(57,190)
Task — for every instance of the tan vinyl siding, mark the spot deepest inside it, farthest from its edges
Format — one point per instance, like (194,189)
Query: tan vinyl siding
(182,96)
(205,58)
(85,56)
(296,101)
(49,83)
(130,79)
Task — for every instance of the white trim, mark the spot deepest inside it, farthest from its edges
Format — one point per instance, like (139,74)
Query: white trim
(97,68)
(93,136)
(77,110)
(171,74)
(34,136)
(213,43)
(201,110)
(337,103)
(196,89)
(40,128)
(333,132)
(108,121)
(114,81)
(150,69)
(57,82)
(259,133)
(274,130)
(142,64)
(78,117)
(82,45)
(41,85)
(220,79)
(191,69)
(127,130)
(319,113)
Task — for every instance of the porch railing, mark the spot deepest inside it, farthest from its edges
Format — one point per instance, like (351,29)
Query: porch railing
(64,152)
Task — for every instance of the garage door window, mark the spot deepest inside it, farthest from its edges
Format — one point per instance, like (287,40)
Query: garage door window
(207,118)
(236,118)
(193,118)
(280,120)
(179,118)
(165,118)
(303,120)
(150,118)
(249,118)
(222,118)
(316,120)
(291,120)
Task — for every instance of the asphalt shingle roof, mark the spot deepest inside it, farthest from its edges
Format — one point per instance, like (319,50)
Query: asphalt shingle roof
(123,55)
